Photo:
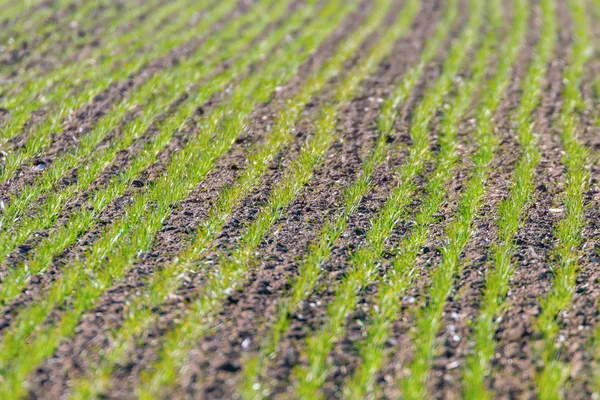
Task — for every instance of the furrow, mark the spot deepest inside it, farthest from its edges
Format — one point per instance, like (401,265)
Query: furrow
(518,253)
(162,134)
(29,101)
(126,239)
(114,51)
(510,218)
(179,128)
(122,39)
(218,359)
(41,13)
(111,105)
(584,313)
(18,48)
(458,232)
(83,220)
(452,374)
(204,373)
(66,43)
(310,313)
(580,332)
(40,73)
(307,199)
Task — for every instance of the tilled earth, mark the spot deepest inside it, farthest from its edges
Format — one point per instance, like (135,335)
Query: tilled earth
(217,364)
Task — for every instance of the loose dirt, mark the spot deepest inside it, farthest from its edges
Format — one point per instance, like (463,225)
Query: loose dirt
(214,367)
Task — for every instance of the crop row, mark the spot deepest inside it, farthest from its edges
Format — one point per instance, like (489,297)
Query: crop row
(366,260)
(108,258)
(117,46)
(320,249)
(428,318)
(164,282)
(156,97)
(403,271)
(511,212)
(50,31)
(231,270)
(17,23)
(110,19)
(231,63)
(161,285)
(564,265)
(62,102)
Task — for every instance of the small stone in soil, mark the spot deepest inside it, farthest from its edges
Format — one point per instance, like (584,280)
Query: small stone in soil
(246,343)
(452,365)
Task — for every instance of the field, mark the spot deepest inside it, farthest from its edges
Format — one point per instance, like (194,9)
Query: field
(300,199)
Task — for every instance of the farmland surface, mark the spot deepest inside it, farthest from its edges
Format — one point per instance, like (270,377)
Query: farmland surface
(300,199)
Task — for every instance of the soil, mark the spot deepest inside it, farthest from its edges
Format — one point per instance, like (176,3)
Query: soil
(214,367)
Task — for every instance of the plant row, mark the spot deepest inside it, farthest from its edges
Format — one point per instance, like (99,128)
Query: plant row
(320,249)
(403,270)
(62,102)
(107,260)
(511,211)
(366,260)
(568,232)
(90,16)
(159,96)
(231,270)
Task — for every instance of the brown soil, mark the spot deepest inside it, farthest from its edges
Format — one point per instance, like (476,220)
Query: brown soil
(214,366)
